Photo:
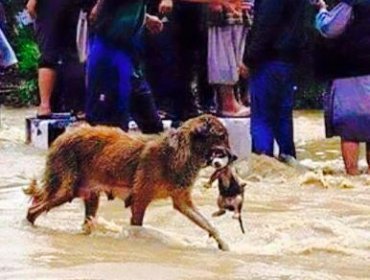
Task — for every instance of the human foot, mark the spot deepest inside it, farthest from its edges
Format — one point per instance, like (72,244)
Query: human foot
(242,112)
(43,112)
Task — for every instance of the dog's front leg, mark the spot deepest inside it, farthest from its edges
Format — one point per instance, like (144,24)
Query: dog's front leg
(139,203)
(183,203)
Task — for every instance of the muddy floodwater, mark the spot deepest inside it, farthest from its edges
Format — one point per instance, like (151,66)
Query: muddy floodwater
(300,224)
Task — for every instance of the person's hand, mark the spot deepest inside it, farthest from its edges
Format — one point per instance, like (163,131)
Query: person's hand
(230,6)
(94,13)
(165,7)
(153,24)
(244,71)
(246,7)
(217,8)
(319,4)
(31,8)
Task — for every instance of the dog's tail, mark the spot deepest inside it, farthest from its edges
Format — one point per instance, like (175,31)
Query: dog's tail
(36,193)
(241,224)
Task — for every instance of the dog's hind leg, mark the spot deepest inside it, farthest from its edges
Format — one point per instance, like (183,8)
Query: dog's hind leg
(183,203)
(91,207)
(60,197)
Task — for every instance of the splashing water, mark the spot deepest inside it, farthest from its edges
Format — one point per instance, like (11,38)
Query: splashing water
(300,223)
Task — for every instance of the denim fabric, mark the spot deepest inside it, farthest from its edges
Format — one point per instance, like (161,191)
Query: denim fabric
(116,88)
(272,91)
(109,71)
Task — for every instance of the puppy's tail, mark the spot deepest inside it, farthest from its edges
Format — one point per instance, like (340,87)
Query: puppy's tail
(35,192)
(241,224)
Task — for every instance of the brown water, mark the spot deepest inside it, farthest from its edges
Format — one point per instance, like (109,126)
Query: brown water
(300,224)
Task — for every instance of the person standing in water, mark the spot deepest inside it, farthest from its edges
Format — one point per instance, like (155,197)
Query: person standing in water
(344,58)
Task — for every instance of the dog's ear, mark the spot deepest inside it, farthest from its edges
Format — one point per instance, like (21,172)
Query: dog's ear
(233,157)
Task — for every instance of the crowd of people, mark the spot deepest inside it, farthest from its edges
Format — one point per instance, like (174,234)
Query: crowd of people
(147,58)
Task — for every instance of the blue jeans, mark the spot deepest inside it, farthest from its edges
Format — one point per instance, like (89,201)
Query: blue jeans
(272,91)
(109,72)
(115,91)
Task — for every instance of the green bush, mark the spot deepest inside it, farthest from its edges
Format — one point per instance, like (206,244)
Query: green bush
(28,54)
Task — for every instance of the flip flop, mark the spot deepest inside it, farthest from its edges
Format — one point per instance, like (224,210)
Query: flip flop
(44,117)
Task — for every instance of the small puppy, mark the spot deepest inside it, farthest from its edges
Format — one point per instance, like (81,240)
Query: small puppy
(231,189)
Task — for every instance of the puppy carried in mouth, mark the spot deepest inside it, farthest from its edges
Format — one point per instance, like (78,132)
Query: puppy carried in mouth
(231,188)
(88,161)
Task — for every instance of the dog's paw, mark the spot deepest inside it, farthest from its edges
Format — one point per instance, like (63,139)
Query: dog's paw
(223,246)
(236,216)
(89,226)
(218,213)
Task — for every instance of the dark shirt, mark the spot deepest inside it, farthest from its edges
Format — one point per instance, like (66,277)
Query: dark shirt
(120,22)
(348,55)
(277,32)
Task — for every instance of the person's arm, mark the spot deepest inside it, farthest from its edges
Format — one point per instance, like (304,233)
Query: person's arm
(165,7)
(266,26)
(153,23)
(31,8)
(95,10)
(229,5)
(333,23)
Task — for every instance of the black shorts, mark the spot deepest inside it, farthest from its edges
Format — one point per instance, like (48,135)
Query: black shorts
(56,25)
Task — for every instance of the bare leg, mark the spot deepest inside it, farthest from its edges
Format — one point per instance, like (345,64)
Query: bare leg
(46,81)
(228,104)
(91,207)
(350,153)
(368,156)
(182,202)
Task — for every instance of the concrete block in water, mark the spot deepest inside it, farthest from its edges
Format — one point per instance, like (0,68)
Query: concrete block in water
(239,133)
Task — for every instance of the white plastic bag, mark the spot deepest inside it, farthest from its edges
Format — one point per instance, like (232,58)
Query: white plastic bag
(82,36)
(7,55)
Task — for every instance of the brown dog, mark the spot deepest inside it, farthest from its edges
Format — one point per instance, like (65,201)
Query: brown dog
(89,160)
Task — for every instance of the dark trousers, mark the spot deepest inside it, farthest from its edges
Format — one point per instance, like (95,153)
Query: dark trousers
(114,91)
(56,24)
(177,55)
(272,92)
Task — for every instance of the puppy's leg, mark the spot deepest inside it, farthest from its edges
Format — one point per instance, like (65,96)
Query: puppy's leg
(183,203)
(237,204)
(62,196)
(221,206)
(91,207)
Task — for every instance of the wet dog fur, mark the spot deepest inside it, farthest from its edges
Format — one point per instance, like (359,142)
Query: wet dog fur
(88,161)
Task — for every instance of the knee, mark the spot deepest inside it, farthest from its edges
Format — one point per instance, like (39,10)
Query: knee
(48,61)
